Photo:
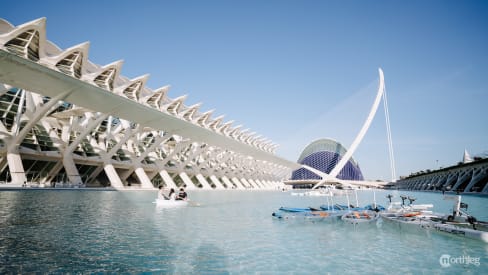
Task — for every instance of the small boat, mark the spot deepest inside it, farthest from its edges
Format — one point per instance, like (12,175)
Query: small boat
(170,203)
(458,223)
(299,209)
(331,210)
(461,223)
(411,216)
(361,215)
(345,207)
(306,215)
(357,217)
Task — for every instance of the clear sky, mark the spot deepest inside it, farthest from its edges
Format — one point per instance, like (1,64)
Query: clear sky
(296,71)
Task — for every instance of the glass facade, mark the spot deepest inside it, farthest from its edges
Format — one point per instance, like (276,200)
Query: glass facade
(323,155)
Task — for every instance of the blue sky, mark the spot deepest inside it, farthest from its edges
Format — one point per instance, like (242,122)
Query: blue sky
(296,71)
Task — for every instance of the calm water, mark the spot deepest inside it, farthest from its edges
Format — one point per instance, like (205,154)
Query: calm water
(231,232)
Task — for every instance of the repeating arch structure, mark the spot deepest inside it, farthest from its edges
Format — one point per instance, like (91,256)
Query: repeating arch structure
(469,177)
(67,121)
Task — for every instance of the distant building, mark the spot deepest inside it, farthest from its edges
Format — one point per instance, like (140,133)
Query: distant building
(324,154)
(466,157)
(468,176)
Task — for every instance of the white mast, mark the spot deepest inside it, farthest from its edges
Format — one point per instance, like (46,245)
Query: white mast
(333,174)
(390,141)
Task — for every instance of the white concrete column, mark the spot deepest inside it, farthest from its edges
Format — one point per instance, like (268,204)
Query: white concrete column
(143,178)
(261,184)
(92,175)
(113,177)
(189,184)
(68,162)
(215,180)
(16,168)
(227,182)
(71,170)
(274,184)
(14,160)
(267,183)
(246,183)
(238,183)
(255,184)
(203,181)
(167,179)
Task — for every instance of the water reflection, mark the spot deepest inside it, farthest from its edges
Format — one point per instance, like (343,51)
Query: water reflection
(231,232)
(209,259)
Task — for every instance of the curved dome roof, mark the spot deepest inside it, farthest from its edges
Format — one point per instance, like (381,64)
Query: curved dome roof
(324,144)
(324,155)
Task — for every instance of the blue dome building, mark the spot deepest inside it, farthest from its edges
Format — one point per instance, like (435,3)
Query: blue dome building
(323,155)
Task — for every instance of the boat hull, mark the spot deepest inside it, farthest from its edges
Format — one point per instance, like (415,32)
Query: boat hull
(426,223)
(310,215)
(463,231)
(170,203)
(360,217)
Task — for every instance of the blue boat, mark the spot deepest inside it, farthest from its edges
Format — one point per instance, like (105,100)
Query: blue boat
(323,212)
(339,207)
(297,209)
(306,215)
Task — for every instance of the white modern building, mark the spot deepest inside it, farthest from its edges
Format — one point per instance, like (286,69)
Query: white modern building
(65,120)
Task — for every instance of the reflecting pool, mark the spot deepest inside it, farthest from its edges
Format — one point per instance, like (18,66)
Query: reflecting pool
(224,232)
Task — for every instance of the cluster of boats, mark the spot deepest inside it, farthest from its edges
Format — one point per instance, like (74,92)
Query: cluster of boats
(347,213)
(324,191)
(404,214)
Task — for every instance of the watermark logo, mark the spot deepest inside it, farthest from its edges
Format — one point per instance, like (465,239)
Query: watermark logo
(447,260)
(444,260)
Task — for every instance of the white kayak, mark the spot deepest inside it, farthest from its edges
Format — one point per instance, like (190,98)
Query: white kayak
(465,230)
(476,230)
(170,203)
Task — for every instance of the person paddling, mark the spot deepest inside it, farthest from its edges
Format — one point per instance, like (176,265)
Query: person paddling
(182,195)
(161,194)
(172,194)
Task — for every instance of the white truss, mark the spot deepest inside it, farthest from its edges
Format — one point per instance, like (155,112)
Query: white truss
(82,121)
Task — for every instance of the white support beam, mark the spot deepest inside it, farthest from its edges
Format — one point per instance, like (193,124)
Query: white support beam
(246,183)
(333,174)
(203,181)
(255,184)
(143,178)
(228,183)
(167,179)
(26,74)
(238,184)
(189,184)
(216,182)
(113,176)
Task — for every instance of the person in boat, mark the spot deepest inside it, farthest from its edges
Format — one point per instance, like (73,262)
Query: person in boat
(182,195)
(161,193)
(172,194)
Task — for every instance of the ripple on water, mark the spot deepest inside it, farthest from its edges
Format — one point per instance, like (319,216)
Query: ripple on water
(231,232)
